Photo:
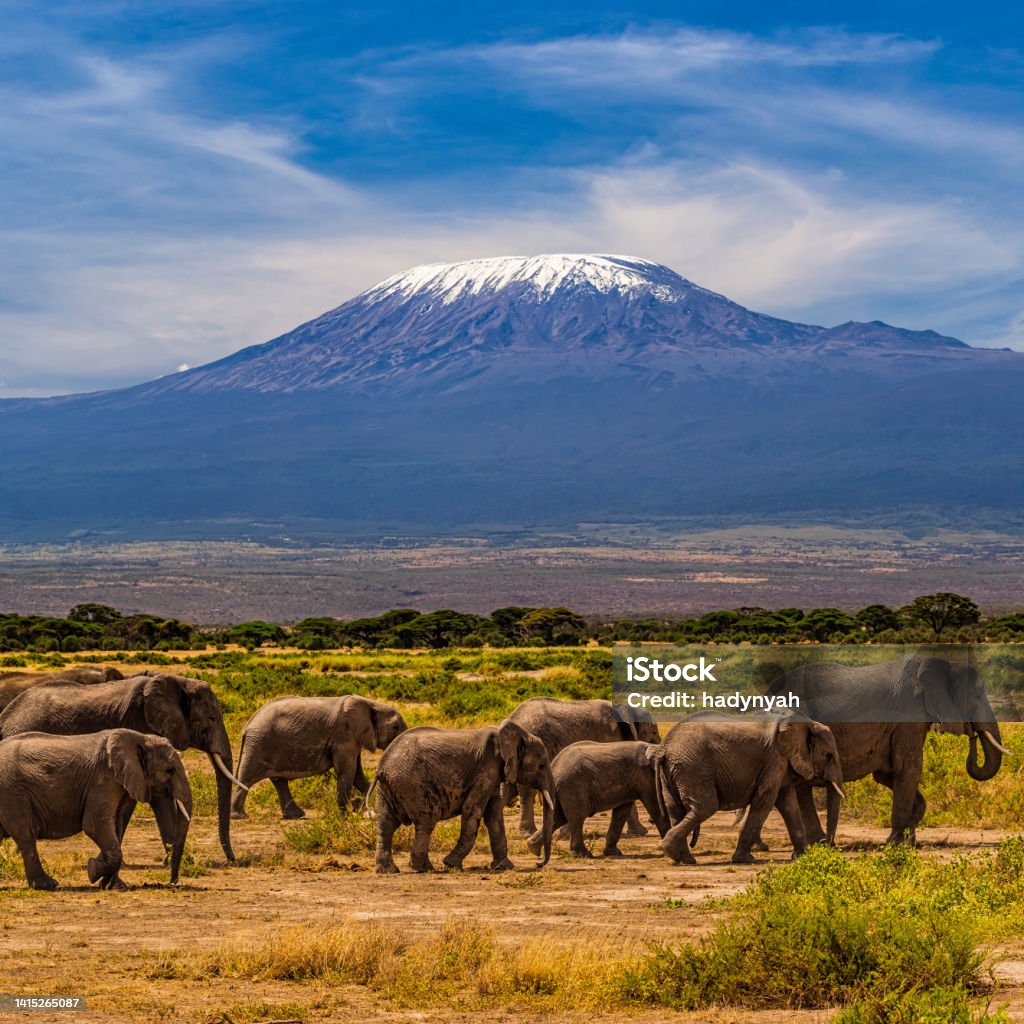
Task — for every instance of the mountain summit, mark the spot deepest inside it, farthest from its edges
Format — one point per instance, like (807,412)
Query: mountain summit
(496,395)
(522,319)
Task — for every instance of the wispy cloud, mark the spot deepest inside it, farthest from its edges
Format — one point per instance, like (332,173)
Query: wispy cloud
(639,60)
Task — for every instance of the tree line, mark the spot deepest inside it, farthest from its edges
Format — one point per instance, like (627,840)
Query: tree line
(944,616)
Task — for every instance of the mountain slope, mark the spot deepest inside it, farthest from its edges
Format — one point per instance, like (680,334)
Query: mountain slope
(442,324)
(520,392)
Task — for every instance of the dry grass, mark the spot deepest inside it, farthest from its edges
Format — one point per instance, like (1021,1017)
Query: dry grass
(462,965)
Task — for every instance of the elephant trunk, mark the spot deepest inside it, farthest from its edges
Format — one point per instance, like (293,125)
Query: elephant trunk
(991,744)
(548,829)
(832,802)
(220,758)
(182,804)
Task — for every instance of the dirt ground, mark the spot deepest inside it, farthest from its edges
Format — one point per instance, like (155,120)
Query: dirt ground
(103,945)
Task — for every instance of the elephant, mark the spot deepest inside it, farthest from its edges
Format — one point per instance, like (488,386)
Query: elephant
(52,787)
(428,775)
(13,683)
(561,722)
(592,777)
(711,761)
(909,696)
(183,711)
(296,737)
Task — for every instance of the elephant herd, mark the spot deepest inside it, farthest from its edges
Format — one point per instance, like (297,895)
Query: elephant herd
(79,750)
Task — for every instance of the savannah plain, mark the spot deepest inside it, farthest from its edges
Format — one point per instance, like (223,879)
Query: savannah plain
(600,569)
(302,929)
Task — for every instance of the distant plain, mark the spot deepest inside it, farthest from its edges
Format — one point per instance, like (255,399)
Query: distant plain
(599,569)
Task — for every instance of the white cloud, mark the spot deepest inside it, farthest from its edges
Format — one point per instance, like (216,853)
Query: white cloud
(640,60)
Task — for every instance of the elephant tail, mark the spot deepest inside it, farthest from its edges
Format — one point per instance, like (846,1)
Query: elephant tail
(368,808)
(668,799)
(241,753)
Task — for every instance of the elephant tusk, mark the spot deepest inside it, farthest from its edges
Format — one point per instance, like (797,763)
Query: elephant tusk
(839,790)
(181,807)
(547,799)
(219,762)
(998,746)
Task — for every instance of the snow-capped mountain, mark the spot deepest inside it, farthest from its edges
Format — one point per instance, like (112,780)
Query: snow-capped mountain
(445,325)
(516,392)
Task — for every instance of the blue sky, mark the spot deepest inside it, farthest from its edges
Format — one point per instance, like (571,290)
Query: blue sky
(180,180)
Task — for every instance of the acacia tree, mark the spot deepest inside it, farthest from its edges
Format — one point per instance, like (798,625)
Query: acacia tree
(942,611)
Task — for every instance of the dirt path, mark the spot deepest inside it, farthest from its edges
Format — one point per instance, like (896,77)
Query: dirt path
(103,945)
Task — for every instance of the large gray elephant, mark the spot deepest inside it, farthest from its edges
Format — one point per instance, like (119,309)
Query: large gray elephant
(13,683)
(296,737)
(594,777)
(428,775)
(711,761)
(52,787)
(559,723)
(909,696)
(183,711)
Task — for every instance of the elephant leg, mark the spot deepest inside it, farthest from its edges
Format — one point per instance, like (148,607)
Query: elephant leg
(494,819)
(104,868)
(634,827)
(760,808)
(650,802)
(467,838)
(813,831)
(620,817)
(577,846)
(920,806)
(527,824)
(675,842)
(35,874)
(419,860)
(386,826)
(124,816)
(289,808)
(360,783)
(239,795)
(345,772)
(789,807)
(905,796)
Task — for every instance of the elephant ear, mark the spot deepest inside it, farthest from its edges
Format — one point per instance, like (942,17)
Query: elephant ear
(795,738)
(934,683)
(625,724)
(162,706)
(361,720)
(126,753)
(511,738)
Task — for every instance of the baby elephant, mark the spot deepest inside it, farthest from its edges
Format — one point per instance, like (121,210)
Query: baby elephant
(716,762)
(52,787)
(428,775)
(591,777)
(296,737)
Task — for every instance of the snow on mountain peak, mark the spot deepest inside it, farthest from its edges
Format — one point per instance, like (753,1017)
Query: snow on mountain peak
(449,282)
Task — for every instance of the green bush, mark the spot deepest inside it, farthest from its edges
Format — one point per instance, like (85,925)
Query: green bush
(831,931)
